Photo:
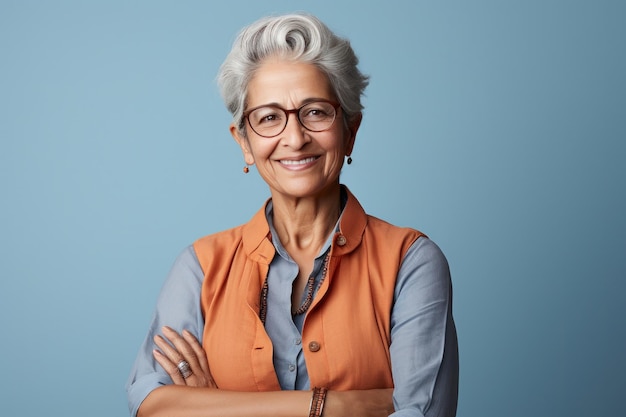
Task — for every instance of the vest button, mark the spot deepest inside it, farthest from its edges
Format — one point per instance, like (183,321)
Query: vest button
(314,346)
(341,240)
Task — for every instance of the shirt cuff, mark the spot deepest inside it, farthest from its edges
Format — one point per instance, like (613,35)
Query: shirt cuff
(139,390)
(407,412)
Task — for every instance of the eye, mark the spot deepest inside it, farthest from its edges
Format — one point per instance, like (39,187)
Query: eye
(266,116)
(317,111)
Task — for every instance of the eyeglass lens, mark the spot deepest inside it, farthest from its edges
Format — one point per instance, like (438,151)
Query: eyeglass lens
(269,121)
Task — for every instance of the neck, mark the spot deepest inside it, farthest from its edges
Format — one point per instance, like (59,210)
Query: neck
(303,224)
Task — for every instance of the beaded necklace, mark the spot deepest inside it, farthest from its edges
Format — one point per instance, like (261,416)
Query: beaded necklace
(310,289)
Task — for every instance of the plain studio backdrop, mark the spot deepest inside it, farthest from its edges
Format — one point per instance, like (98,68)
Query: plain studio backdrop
(496,127)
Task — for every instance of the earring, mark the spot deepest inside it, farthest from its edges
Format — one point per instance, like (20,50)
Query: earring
(349,161)
(246,169)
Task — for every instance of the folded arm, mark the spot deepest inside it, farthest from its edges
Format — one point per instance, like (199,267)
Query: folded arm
(197,395)
(156,387)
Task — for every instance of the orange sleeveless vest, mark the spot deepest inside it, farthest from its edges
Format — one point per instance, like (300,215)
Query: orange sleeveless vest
(346,333)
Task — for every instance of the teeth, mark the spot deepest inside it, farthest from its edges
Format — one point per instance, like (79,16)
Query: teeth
(300,162)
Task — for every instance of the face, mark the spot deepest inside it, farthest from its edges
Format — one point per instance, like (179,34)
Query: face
(297,163)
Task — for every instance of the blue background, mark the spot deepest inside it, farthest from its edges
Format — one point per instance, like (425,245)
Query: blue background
(497,127)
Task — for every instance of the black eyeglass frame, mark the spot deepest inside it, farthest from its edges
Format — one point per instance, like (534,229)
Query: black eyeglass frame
(335,105)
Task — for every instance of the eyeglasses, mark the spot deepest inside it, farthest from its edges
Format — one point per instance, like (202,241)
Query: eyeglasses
(270,120)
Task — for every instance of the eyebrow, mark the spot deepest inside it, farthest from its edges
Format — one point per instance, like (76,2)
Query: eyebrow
(302,103)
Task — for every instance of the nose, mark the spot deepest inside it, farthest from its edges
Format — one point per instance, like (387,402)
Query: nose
(294,134)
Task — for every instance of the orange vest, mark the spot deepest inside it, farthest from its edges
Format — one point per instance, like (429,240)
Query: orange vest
(346,332)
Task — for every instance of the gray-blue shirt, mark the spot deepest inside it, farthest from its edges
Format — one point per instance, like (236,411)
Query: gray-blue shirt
(423,349)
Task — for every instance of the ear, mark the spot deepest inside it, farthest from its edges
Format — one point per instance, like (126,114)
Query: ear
(353,127)
(243,143)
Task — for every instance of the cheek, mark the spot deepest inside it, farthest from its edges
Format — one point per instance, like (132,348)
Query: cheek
(260,151)
(341,143)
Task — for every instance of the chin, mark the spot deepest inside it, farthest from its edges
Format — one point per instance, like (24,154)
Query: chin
(301,189)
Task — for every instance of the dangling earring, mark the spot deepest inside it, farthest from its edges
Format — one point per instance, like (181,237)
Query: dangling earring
(349,161)
(246,169)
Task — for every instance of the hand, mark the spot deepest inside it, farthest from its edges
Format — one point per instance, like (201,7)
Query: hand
(175,348)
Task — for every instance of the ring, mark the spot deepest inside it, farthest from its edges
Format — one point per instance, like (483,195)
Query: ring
(184,368)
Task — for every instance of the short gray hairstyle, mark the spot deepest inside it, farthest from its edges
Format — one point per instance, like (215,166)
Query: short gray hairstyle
(295,37)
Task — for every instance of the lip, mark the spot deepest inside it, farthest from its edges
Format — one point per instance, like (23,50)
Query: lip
(298,163)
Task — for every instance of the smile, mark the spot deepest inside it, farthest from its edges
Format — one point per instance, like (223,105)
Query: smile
(299,162)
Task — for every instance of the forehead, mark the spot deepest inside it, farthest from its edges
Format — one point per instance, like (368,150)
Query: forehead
(287,84)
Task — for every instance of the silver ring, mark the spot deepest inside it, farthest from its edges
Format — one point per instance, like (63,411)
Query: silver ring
(184,368)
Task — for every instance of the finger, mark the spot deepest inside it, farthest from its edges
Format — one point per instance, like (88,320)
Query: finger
(168,350)
(169,367)
(184,349)
(200,374)
(201,355)
(197,348)
(174,356)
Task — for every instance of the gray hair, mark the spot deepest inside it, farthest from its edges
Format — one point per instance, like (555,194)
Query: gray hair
(296,37)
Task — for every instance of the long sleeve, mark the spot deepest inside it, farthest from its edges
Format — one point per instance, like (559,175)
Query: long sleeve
(424,350)
(178,306)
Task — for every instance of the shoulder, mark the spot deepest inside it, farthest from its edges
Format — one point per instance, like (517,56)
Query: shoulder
(425,266)
(420,250)
(380,224)
(217,245)
(249,234)
(221,238)
(391,234)
(424,250)
(186,259)
(183,280)
(252,232)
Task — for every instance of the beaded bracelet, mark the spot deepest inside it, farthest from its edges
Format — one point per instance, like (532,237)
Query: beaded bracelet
(317,402)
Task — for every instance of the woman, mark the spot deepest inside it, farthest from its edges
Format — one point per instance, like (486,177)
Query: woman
(312,306)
